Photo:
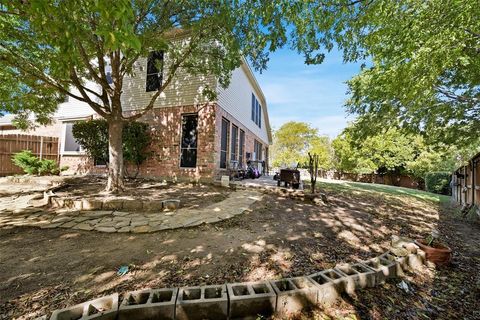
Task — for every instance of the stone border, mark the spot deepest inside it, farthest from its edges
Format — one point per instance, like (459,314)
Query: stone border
(111,221)
(249,299)
(113,204)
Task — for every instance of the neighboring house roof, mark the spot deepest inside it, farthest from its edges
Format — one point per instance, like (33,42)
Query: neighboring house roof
(6,119)
(248,70)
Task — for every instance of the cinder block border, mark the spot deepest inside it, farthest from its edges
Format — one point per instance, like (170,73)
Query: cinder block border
(148,304)
(245,300)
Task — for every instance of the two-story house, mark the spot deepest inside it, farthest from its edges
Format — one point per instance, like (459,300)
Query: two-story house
(192,138)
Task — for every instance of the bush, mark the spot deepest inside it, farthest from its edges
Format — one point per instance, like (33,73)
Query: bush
(92,135)
(35,166)
(438,182)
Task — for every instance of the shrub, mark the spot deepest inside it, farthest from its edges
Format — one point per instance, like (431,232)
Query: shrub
(92,135)
(438,182)
(34,165)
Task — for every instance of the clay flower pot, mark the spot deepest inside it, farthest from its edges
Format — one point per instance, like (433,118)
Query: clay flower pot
(440,255)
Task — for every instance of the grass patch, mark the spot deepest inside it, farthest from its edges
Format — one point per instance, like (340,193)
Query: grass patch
(349,186)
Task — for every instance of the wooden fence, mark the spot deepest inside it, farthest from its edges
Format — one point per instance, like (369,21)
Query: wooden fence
(43,147)
(466,182)
(391,180)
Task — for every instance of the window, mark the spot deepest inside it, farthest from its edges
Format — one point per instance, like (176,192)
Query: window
(256,111)
(109,77)
(234,144)
(224,143)
(154,71)
(257,149)
(241,148)
(253,107)
(70,144)
(188,157)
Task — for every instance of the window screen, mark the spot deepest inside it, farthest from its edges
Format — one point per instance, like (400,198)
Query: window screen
(71,144)
(154,71)
(224,143)
(188,157)
(241,148)
(234,144)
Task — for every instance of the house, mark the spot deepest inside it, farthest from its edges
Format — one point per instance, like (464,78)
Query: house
(193,138)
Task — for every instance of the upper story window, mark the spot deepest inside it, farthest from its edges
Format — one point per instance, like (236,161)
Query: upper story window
(154,71)
(256,111)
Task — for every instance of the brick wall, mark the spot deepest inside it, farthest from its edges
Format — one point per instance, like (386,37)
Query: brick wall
(166,134)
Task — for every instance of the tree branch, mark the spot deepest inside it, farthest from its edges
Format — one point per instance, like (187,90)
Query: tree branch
(95,106)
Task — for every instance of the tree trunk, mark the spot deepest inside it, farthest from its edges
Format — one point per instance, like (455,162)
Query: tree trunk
(115,157)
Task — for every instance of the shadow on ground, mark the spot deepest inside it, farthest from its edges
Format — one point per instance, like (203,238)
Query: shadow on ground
(45,269)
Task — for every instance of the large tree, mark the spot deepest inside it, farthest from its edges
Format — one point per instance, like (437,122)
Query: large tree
(294,140)
(422,70)
(50,49)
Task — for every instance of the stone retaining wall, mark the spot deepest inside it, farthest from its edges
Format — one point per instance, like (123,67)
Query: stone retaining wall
(251,299)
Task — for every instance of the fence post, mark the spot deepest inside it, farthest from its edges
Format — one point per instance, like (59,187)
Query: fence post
(41,147)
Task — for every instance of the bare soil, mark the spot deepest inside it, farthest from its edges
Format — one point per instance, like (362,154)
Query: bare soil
(45,269)
(190,195)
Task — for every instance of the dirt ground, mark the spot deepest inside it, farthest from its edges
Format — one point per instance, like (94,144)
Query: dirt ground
(190,195)
(45,269)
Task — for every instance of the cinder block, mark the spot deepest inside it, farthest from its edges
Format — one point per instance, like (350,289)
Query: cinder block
(225,181)
(250,300)
(198,303)
(294,294)
(105,308)
(384,269)
(402,262)
(357,276)
(148,304)
(330,285)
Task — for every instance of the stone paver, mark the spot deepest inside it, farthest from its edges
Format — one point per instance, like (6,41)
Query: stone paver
(24,214)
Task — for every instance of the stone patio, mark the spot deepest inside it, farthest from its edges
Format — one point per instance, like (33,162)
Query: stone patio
(18,211)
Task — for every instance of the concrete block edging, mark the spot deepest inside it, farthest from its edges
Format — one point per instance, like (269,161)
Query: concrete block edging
(245,300)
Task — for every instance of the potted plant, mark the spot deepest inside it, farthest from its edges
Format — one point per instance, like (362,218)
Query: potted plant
(435,250)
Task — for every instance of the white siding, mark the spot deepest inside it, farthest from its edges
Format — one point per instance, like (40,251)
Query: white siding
(184,90)
(237,100)
(74,108)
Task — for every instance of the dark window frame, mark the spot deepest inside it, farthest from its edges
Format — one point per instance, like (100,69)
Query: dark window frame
(256,111)
(257,148)
(225,129)
(241,148)
(234,143)
(188,147)
(154,77)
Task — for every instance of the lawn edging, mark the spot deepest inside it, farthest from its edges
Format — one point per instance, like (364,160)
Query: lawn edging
(250,299)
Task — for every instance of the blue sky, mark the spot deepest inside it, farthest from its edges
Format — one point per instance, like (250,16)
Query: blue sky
(313,94)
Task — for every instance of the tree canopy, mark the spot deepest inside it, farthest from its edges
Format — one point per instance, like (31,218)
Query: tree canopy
(424,67)
(396,152)
(292,142)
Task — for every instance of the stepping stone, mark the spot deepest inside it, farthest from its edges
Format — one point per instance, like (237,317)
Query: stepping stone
(83,226)
(69,224)
(124,223)
(137,223)
(124,229)
(106,229)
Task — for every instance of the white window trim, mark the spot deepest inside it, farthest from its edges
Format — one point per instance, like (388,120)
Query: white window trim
(62,143)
